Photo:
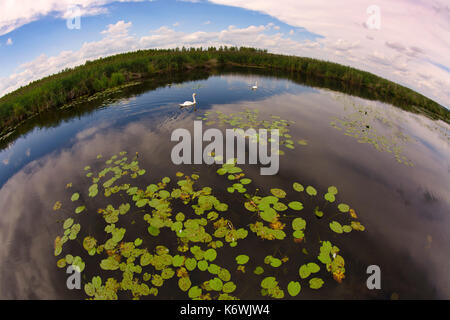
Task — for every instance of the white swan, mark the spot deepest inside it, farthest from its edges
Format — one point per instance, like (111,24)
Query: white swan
(189,103)
(255,86)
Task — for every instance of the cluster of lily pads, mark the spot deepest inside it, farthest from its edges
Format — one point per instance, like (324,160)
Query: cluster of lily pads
(362,124)
(249,119)
(201,228)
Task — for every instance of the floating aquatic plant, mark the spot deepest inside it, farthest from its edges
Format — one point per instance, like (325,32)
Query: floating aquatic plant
(364,124)
(201,227)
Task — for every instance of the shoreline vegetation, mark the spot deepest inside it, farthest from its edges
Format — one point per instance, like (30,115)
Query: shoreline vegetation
(106,75)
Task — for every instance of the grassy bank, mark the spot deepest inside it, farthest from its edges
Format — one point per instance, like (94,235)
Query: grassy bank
(54,91)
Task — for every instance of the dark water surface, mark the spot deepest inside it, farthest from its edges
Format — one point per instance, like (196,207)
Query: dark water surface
(404,208)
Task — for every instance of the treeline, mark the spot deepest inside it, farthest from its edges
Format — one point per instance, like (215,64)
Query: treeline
(95,76)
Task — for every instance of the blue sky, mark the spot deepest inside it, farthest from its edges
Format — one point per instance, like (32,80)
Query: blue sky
(410,49)
(50,34)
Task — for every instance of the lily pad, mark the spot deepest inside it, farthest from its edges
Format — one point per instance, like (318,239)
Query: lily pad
(242,259)
(311,191)
(294,288)
(295,205)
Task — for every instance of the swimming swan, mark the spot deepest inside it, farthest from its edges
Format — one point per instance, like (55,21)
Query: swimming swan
(255,86)
(189,103)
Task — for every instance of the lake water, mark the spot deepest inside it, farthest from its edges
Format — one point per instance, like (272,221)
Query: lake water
(390,166)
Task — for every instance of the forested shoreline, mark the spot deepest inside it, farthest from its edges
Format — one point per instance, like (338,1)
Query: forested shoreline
(57,90)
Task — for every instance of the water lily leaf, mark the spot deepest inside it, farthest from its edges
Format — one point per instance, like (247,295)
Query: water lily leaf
(295,205)
(75,196)
(153,231)
(298,234)
(221,207)
(269,283)
(347,228)
(245,181)
(258,270)
(228,287)
(89,243)
(304,271)
(68,223)
(202,265)
(216,284)
(336,227)
(343,207)
(275,262)
(80,209)
(279,206)
(221,171)
(190,264)
(315,283)
(268,215)
(294,288)
(224,274)
(177,260)
(146,258)
(298,224)
(61,263)
(210,254)
(279,193)
(333,190)
(242,259)
(329,197)
(298,187)
(311,191)
(313,267)
(318,213)
(194,292)
(142,202)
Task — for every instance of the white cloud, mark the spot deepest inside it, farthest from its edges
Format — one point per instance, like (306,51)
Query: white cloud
(116,40)
(17,13)
(9,42)
(407,49)
(176,24)
(414,36)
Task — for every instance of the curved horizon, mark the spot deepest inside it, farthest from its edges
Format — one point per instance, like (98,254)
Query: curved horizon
(405,42)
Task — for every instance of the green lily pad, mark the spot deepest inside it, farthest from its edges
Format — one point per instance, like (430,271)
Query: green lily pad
(294,288)
(311,191)
(75,196)
(194,292)
(80,209)
(295,205)
(68,223)
(278,193)
(298,224)
(316,283)
(258,270)
(216,284)
(184,283)
(336,227)
(343,207)
(333,190)
(242,259)
(329,197)
(269,283)
(298,187)
(210,254)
